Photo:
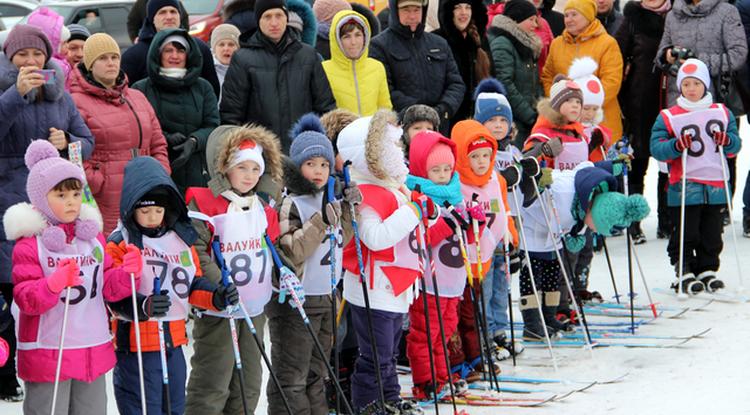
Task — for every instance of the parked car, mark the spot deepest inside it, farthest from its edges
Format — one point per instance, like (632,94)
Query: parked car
(11,11)
(204,16)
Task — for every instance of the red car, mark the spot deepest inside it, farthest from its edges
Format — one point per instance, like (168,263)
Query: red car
(204,16)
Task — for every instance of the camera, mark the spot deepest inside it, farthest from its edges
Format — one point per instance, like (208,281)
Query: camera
(679,55)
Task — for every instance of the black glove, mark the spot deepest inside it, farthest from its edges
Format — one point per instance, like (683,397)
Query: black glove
(597,140)
(156,305)
(186,150)
(530,166)
(224,296)
(511,175)
(175,139)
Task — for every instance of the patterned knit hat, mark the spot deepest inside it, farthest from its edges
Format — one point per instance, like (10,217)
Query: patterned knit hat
(225,31)
(491,101)
(562,90)
(78,32)
(97,45)
(46,170)
(24,36)
(694,68)
(325,9)
(309,140)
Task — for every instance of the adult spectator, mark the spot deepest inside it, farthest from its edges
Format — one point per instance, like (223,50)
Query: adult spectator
(743,6)
(78,35)
(515,52)
(183,102)
(419,65)
(274,78)
(241,13)
(31,110)
(302,21)
(639,36)
(162,14)
(225,40)
(610,17)
(553,17)
(138,14)
(121,119)
(584,35)
(324,11)
(543,30)
(463,24)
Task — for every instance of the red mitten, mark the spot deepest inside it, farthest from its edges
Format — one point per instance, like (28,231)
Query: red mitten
(721,138)
(66,275)
(132,261)
(683,142)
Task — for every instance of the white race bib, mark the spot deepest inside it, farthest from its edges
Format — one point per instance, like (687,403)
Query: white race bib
(573,154)
(704,160)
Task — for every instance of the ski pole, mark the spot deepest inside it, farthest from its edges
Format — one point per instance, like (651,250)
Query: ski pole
(246,316)
(162,352)
(741,288)
(138,348)
(510,301)
(365,294)
(216,246)
(334,281)
(58,368)
(611,272)
(306,320)
(681,294)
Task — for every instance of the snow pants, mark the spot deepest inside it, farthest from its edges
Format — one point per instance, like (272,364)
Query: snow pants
(416,340)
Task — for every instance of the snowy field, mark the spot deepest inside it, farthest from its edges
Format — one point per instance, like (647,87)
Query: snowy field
(706,375)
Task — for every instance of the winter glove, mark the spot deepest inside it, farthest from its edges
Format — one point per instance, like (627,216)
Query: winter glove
(545,178)
(175,139)
(66,275)
(156,305)
(683,142)
(721,138)
(596,140)
(553,147)
(225,295)
(352,194)
(432,210)
(331,212)
(132,262)
(476,212)
(186,150)
(512,176)
(530,166)
(288,283)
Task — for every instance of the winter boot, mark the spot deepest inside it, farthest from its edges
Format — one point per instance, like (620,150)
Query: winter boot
(662,233)
(532,322)
(690,285)
(636,233)
(424,391)
(746,225)
(551,303)
(710,281)
(403,407)
(503,344)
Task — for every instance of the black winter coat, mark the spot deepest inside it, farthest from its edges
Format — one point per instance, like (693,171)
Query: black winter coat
(639,36)
(420,68)
(274,84)
(553,17)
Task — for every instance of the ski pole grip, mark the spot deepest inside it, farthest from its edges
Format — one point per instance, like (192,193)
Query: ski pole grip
(347,177)
(329,190)
(455,214)
(157,285)
(216,247)
(274,254)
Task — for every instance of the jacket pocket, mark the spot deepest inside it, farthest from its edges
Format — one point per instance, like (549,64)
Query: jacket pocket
(94,177)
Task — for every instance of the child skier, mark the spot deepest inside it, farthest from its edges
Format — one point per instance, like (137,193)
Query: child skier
(416,118)
(582,71)
(155,220)
(245,168)
(388,219)
(306,221)
(699,127)
(59,245)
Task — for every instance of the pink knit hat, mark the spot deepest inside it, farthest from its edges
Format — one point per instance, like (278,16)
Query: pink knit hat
(325,9)
(51,24)
(440,154)
(46,170)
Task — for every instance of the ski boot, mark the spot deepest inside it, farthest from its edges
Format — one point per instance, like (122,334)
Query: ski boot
(505,348)
(585,296)
(10,390)
(746,225)
(710,281)
(424,392)
(403,407)
(636,234)
(690,285)
(567,316)
(551,303)
(664,233)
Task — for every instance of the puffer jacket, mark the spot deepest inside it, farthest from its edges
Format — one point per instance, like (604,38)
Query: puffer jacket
(274,84)
(25,119)
(420,68)
(543,31)
(603,48)
(712,30)
(125,126)
(359,85)
(187,106)
(515,54)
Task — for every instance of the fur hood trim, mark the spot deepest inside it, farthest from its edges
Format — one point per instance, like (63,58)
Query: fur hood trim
(375,141)
(545,110)
(294,181)
(22,220)
(334,121)
(501,23)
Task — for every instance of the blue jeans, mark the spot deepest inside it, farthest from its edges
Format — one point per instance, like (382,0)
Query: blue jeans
(496,288)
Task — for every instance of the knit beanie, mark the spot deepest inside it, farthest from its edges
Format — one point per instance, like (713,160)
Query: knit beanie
(50,22)
(418,112)
(562,90)
(46,170)
(24,36)
(582,72)
(295,21)
(78,32)
(157,196)
(249,150)
(154,6)
(225,31)
(325,9)
(694,68)
(262,6)
(586,7)
(440,154)
(97,45)
(309,140)
(478,144)
(613,209)
(490,99)
(519,10)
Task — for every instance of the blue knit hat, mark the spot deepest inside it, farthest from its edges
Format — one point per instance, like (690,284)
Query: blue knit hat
(309,140)
(491,101)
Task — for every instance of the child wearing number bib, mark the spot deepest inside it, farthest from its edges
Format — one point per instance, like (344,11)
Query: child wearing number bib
(476,149)
(59,245)
(700,127)
(306,221)
(236,211)
(156,221)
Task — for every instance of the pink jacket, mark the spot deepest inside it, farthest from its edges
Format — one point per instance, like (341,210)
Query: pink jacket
(34,298)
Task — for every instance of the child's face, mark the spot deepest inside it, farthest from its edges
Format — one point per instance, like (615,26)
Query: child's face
(692,89)
(244,176)
(417,127)
(352,43)
(65,204)
(571,109)
(479,160)
(316,170)
(498,126)
(149,216)
(440,173)
(588,113)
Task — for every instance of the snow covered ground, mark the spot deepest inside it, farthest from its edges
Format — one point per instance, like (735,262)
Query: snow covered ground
(707,375)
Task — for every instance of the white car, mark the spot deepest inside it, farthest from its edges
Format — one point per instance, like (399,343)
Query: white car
(11,11)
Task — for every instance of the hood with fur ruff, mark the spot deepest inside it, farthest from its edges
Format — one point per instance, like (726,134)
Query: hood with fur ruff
(525,42)
(294,181)
(22,220)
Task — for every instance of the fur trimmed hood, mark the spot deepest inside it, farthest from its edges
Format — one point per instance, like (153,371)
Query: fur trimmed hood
(294,181)
(23,220)
(554,117)
(301,8)
(504,26)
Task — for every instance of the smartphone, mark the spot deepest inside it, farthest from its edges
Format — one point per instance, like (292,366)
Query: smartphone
(48,74)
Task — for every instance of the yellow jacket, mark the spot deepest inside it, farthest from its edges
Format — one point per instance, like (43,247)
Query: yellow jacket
(603,48)
(359,85)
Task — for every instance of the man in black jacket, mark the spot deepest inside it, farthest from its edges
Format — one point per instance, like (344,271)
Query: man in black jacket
(419,65)
(274,79)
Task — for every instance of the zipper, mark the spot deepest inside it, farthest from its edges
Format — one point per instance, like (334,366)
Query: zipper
(356,87)
(137,121)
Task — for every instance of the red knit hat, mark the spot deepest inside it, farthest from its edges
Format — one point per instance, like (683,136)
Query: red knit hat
(480,142)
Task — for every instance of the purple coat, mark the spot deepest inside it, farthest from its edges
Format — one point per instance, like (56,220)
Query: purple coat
(24,119)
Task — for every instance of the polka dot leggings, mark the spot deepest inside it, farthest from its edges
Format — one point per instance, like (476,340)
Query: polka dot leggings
(546,275)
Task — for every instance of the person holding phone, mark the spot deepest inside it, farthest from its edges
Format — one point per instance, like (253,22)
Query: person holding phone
(32,109)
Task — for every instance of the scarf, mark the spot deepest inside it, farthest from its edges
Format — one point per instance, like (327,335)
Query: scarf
(661,10)
(237,203)
(175,73)
(439,193)
(702,104)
